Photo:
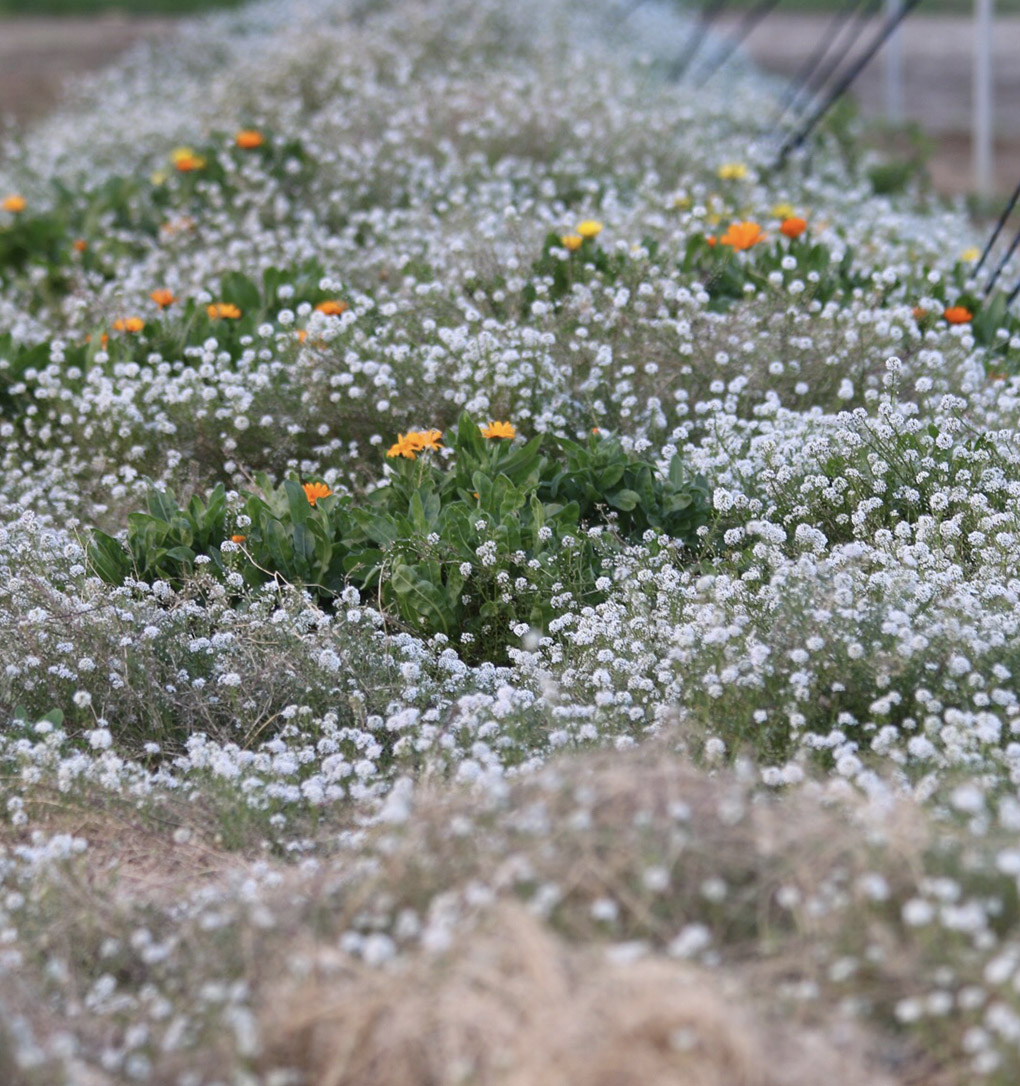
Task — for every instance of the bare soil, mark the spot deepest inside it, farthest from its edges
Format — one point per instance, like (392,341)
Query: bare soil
(38,54)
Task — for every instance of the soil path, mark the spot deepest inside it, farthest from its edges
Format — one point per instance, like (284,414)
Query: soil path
(36,54)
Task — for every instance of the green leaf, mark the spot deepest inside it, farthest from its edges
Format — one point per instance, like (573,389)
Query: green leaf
(297,501)
(625,500)
(109,558)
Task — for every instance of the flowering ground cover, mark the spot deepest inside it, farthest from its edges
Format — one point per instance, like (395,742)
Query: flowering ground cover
(499,583)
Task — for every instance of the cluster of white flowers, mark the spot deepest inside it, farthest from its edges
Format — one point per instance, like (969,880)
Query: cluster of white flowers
(853,616)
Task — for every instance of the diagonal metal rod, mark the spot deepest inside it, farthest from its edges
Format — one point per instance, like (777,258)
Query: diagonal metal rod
(1012,297)
(1013,246)
(805,95)
(830,35)
(998,227)
(753,17)
(797,138)
(620,17)
(709,13)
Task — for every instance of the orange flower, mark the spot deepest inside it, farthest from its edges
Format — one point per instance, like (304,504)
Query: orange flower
(185,160)
(427,439)
(223,309)
(920,313)
(302,335)
(958,314)
(314,491)
(571,242)
(405,446)
(410,444)
(499,429)
(128,324)
(249,138)
(332,307)
(163,297)
(80,245)
(793,227)
(238,538)
(711,241)
(14,203)
(742,235)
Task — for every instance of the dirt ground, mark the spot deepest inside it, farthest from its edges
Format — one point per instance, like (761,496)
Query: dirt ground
(36,54)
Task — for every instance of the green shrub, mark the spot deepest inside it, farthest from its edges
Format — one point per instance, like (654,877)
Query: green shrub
(465,542)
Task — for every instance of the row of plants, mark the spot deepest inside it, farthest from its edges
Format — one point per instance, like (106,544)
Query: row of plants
(466,540)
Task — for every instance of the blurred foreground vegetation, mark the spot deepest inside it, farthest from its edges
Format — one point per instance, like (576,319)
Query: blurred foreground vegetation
(97,7)
(185,7)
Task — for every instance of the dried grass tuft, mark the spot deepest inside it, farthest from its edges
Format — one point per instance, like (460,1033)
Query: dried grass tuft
(515,1005)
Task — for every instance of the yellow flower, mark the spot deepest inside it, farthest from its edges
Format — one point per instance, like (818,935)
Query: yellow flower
(405,446)
(410,444)
(185,160)
(128,324)
(163,297)
(14,203)
(783,211)
(571,242)
(248,139)
(314,491)
(590,228)
(499,429)
(332,307)
(223,309)
(742,235)
(682,203)
(427,439)
(732,171)
(971,254)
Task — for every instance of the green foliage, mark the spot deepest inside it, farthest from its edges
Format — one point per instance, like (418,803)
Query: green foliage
(465,544)
(725,272)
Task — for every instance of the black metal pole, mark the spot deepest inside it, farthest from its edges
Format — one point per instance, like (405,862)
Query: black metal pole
(830,35)
(753,17)
(1012,297)
(1013,246)
(998,227)
(622,16)
(708,15)
(843,85)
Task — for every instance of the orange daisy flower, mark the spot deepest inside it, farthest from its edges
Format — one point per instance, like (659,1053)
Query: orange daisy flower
(223,309)
(793,227)
(14,203)
(314,491)
(249,138)
(128,324)
(958,314)
(498,430)
(333,307)
(163,297)
(185,160)
(742,235)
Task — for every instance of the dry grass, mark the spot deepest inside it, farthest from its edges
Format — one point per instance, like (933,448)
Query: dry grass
(516,1005)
